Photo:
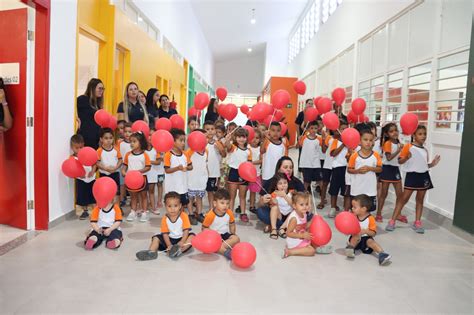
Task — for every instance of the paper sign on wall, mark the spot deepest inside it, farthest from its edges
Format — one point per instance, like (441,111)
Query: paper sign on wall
(10,72)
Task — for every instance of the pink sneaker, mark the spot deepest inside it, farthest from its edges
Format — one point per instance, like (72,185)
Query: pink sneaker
(418,228)
(378,218)
(402,218)
(244,218)
(89,244)
(112,244)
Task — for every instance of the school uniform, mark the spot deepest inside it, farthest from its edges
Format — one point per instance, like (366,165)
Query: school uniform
(124,148)
(327,166)
(365,183)
(136,162)
(197,177)
(174,229)
(283,205)
(310,163)
(177,181)
(255,187)
(214,159)
(273,152)
(236,157)
(84,196)
(338,174)
(322,155)
(417,170)
(105,218)
(110,158)
(152,175)
(390,169)
(219,223)
(366,223)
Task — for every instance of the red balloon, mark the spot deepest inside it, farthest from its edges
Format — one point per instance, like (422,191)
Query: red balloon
(280,99)
(351,117)
(259,111)
(162,141)
(331,121)
(177,122)
(311,114)
(173,104)
(350,138)
(358,106)
(284,128)
(269,109)
(197,141)
(248,172)
(134,180)
(194,112)
(316,100)
(163,124)
(243,255)
(221,93)
(244,109)
(141,126)
(229,112)
(73,168)
(102,118)
(299,87)
(339,95)
(320,231)
(201,100)
(208,241)
(364,118)
(112,124)
(409,123)
(278,115)
(324,105)
(104,191)
(251,133)
(347,223)
(87,156)
(268,120)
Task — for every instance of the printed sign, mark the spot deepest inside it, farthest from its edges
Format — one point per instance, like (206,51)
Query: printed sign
(10,72)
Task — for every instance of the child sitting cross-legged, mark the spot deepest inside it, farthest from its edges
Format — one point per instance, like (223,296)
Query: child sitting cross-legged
(105,223)
(175,236)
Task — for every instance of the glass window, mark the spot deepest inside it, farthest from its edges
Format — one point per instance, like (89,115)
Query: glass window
(419,84)
(375,101)
(394,96)
(348,101)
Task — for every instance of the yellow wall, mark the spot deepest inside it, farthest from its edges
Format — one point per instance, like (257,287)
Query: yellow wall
(145,60)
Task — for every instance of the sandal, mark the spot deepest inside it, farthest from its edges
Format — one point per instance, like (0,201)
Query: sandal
(274,235)
(282,234)
(321,205)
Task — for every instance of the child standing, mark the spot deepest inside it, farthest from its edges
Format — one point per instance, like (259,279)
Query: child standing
(215,152)
(280,206)
(137,160)
(153,177)
(221,219)
(338,175)
(310,163)
(124,147)
(84,196)
(239,153)
(110,159)
(220,136)
(197,180)
(364,241)
(272,150)
(326,169)
(105,223)
(175,236)
(414,156)
(254,188)
(176,165)
(391,147)
(362,166)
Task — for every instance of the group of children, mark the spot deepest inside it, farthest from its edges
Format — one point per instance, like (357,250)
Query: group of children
(361,175)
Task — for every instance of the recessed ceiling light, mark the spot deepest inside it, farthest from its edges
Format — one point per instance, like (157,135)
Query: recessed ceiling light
(253,20)
(249,49)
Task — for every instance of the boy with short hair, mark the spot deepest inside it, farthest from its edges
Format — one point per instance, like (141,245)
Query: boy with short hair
(216,152)
(175,236)
(310,163)
(124,147)
(221,219)
(176,164)
(271,151)
(364,240)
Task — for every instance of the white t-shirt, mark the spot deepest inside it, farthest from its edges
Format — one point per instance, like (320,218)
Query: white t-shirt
(124,147)
(219,223)
(136,162)
(152,174)
(177,181)
(300,227)
(87,170)
(256,157)
(106,218)
(390,147)
(364,183)
(419,158)
(214,159)
(238,156)
(197,177)
(108,158)
(283,205)
(340,159)
(175,229)
(272,154)
(322,155)
(310,148)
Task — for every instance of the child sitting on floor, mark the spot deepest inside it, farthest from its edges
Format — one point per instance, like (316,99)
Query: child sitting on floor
(105,223)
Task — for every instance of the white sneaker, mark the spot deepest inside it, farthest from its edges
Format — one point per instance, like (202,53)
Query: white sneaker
(144,216)
(332,213)
(132,216)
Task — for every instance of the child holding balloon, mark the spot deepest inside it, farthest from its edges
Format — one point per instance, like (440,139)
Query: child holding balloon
(254,188)
(215,153)
(137,160)
(238,152)
(155,177)
(414,157)
(281,205)
(109,157)
(124,147)
(105,223)
(272,150)
(310,163)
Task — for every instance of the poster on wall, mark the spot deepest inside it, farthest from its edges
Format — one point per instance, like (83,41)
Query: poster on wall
(10,72)
(443,114)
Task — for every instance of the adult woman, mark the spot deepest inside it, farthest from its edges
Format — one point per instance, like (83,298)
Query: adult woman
(283,166)
(165,110)
(6,120)
(131,109)
(87,105)
(152,97)
(212,114)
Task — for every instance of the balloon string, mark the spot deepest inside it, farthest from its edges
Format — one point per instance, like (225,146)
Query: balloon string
(227,244)
(262,187)
(234,130)
(314,203)
(273,115)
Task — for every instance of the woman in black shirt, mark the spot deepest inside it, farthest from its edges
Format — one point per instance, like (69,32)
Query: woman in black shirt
(212,114)
(152,98)
(165,110)
(131,109)
(87,105)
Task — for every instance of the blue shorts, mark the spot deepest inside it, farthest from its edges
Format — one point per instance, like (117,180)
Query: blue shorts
(390,174)
(211,184)
(312,175)
(338,181)
(235,178)
(326,175)
(184,199)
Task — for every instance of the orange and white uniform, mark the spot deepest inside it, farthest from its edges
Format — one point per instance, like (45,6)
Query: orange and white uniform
(327,156)
(176,181)
(175,229)
(108,158)
(136,161)
(238,156)
(273,152)
(390,147)
(87,170)
(283,205)
(310,148)
(219,223)
(197,177)
(340,159)
(124,147)
(418,162)
(368,223)
(364,183)
(106,219)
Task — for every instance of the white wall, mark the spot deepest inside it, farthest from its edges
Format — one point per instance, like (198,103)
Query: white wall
(241,75)
(276,58)
(62,62)
(177,22)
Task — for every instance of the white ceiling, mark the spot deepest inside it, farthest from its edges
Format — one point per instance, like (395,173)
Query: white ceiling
(227,28)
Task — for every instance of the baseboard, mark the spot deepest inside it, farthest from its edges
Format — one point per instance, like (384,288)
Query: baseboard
(67,216)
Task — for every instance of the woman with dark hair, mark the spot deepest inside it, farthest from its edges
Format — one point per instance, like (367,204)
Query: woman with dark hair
(6,119)
(165,110)
(284,166)
(152,98)
(130,109)
(212,114)
(87,104)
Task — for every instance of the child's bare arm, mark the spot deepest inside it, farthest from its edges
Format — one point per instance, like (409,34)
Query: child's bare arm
(167,240)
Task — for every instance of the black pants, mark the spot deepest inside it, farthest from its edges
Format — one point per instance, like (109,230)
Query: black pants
(115,234)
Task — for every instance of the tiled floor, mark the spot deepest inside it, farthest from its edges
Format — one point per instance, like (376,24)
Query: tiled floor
(10,237)
(52,273)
